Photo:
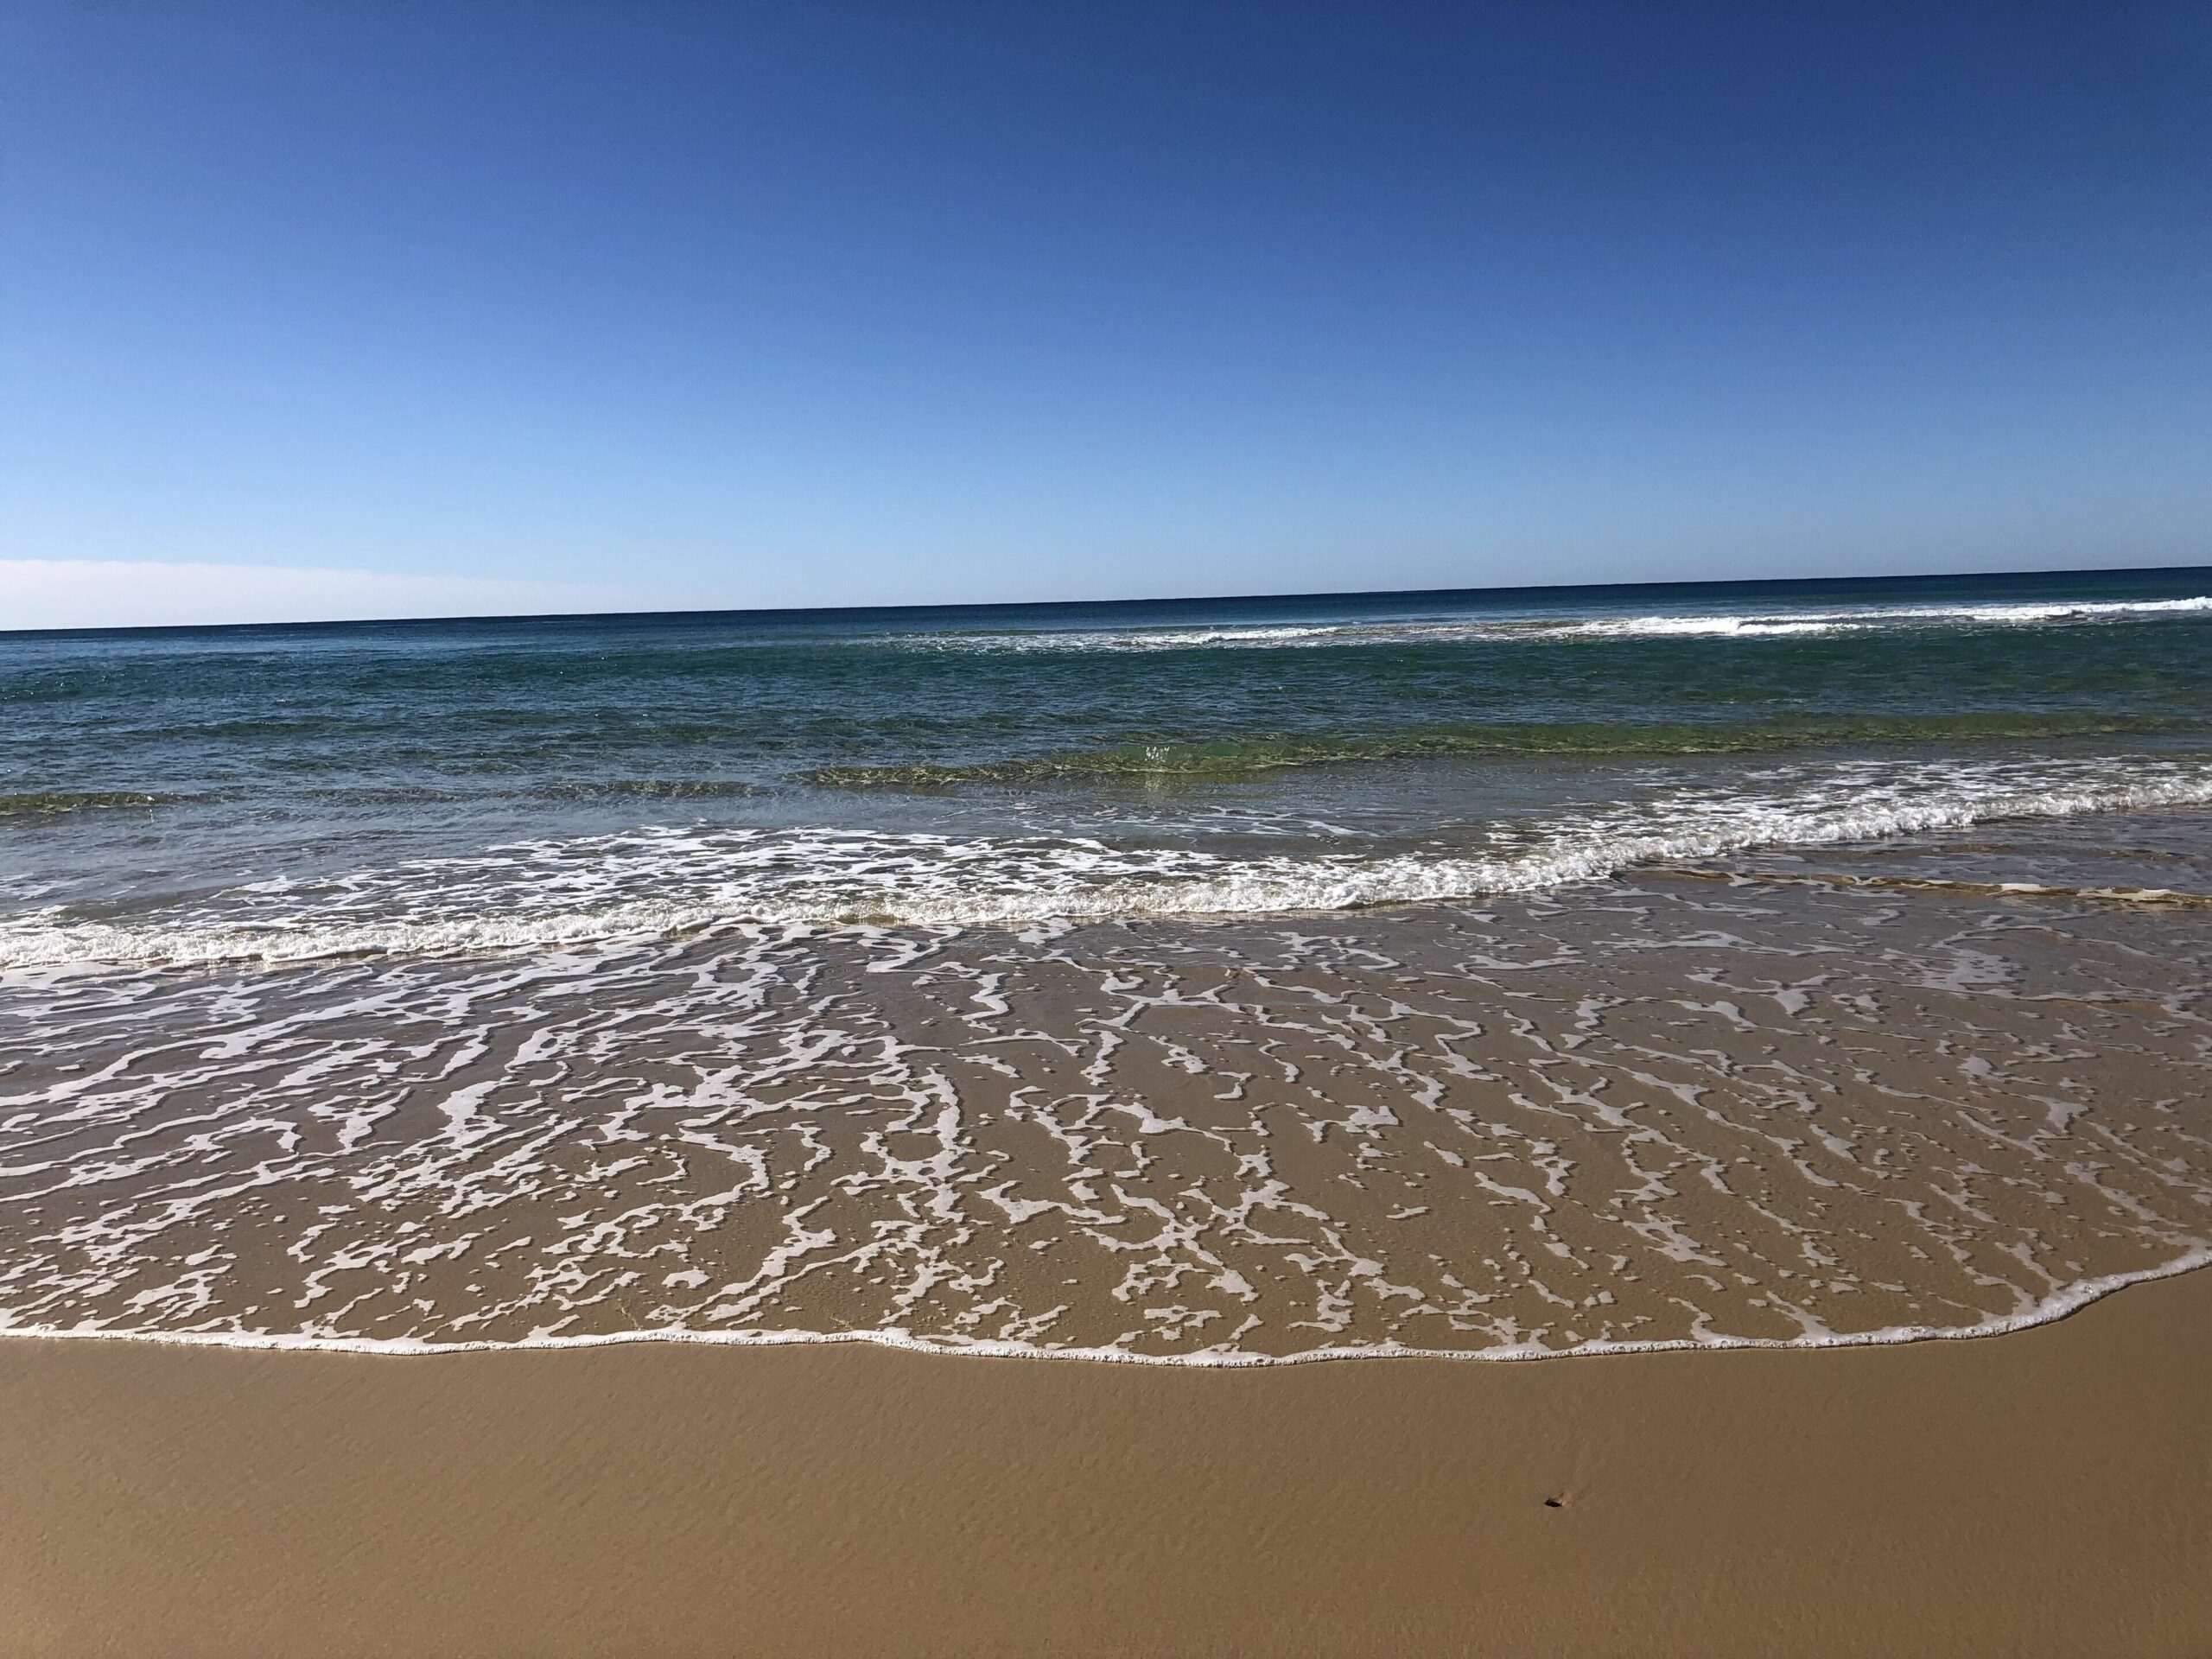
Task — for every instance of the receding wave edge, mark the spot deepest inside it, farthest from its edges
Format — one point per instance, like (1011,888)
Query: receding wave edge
(2046,1311)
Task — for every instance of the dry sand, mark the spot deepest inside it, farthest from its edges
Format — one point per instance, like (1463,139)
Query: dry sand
(2047,1492)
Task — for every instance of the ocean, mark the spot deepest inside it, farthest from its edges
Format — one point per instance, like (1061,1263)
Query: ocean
(1499,974)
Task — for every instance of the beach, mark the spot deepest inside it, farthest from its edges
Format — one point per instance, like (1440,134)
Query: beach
(2044,1492)
(1063,832)
(1529,1126)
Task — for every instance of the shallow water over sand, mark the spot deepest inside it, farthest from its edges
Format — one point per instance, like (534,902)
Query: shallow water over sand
(1702,1109)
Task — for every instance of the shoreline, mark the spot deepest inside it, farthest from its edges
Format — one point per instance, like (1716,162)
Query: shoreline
(2063,1306)
(2048,1494)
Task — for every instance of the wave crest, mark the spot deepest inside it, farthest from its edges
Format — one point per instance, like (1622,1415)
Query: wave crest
(1718,624)
(45,803)
(659,883)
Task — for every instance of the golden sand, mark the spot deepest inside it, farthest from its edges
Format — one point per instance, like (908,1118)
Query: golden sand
(2048,1492)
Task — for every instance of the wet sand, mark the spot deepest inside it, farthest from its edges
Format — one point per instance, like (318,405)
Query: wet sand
(2048,1491)
(1678,1112)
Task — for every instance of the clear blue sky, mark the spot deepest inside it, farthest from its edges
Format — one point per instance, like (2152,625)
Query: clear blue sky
(718,304)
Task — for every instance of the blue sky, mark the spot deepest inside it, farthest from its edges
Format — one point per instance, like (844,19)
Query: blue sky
(451,306)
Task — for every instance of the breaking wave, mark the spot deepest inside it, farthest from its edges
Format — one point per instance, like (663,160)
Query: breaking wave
(1728,625)
(662,882)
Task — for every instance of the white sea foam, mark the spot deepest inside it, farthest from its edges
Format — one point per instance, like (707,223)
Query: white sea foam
(657,882)
(1719,625)
(2058,1305)
(1659,1117)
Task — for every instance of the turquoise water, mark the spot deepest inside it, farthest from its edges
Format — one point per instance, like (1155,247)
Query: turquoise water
(213,793)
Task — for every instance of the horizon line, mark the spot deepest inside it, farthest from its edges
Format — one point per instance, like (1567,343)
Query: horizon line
(702,613)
